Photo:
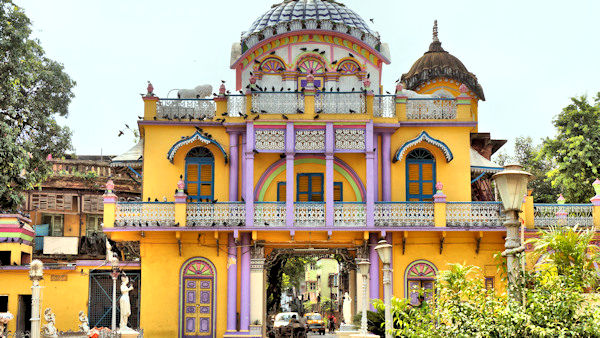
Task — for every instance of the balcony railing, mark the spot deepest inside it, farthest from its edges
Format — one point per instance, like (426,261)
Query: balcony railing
(216,214)
(236,105)
(431,108)
(269,214)
(186,109)
(277,102)
(547,215)
(340,102)
(384,106)
(411,214)
(349,214)
(309,214)
(145,214)
(474,214)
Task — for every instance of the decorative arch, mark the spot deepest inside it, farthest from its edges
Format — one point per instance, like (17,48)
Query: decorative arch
(349,66)
(419,270)
(191,139)
(311,62)
(339,166)
(424,137)
(197,298)
(272,64)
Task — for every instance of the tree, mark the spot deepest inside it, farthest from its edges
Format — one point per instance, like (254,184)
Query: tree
(33,91)
(528,154)
(576,149)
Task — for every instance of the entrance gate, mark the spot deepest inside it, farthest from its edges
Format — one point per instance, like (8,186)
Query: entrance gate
(197,302)
(100,302)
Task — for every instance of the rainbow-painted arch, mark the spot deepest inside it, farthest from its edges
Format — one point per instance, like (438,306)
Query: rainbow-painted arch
(338,165)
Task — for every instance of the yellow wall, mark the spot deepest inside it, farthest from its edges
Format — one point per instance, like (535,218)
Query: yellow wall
(65,297)
(455,175)
(161,176)
(161,264)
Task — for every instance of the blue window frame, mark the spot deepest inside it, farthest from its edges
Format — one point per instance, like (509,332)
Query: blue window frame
(338,191)
(199,174)
(281,192)
(309,187)
(420,175)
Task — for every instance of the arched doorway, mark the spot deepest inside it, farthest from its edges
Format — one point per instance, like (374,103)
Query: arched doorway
(419,275)
(197,300)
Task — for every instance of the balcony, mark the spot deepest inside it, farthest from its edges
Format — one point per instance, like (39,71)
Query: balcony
(386,215)
(277,102)
(548,215)
(431,109)
(186,109)
(145,214)
(340,102)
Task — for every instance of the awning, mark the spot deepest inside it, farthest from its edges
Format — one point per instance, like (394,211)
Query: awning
(131,158)
(480,164)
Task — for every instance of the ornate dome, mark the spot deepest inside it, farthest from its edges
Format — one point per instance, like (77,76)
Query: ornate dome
(436,63)
(291,15)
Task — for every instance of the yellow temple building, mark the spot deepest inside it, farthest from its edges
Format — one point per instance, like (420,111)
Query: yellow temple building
(305,154)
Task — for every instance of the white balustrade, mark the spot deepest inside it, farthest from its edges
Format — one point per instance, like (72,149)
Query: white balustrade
(277,103)
(340,103)
(269,214)
(349,214)
(384,106)
(309,214)
(145,214)
(216,214)
(410,214)
(434,109)
(186,109)
(553,215)
(474,214)
(236,105)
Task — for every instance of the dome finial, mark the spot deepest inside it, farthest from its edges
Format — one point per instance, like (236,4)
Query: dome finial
(435,31)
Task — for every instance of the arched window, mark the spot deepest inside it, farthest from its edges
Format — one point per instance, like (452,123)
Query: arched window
(314,66)
(199,174)
(420,175)
(272,65)
(419,278)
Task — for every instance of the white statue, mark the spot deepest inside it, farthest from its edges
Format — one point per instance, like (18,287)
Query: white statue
(199,92)
(85,323)
(124,303)
(5,317)
(49,330)
(346,310)
(111,257)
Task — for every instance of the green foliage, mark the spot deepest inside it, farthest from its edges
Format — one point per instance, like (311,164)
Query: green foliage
(576,149)
(555,303)
(33,90)
(529,155)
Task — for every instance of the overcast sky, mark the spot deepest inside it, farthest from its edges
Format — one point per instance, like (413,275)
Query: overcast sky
(529,56)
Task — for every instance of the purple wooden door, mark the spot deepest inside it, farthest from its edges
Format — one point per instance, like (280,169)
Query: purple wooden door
(198,299)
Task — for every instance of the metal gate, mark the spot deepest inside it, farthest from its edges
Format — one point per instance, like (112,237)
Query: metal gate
(100,301)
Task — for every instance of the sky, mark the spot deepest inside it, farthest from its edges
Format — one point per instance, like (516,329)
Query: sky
(530,56)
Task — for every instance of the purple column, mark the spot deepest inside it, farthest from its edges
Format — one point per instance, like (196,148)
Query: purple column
(376,164)
(369,154)
(374,270)
(386,177)
(233,166)
(243,151)
(249,170)
(231,282)
(290,183)
(245,284)
(389,239)
(329,203)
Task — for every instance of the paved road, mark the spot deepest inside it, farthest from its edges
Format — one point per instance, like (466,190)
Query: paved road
(315,335)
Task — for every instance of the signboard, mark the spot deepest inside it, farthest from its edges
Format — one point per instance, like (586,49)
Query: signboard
(60,245)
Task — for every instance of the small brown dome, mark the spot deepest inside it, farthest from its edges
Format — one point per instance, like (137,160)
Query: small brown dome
(437,63)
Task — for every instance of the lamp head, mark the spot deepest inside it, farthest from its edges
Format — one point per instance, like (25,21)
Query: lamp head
(363,267)
(512,185)
(384,250)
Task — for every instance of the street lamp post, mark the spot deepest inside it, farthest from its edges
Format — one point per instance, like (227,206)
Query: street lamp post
(36,274)
(512,185)
(363,267)
(385,253)
(114,275)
